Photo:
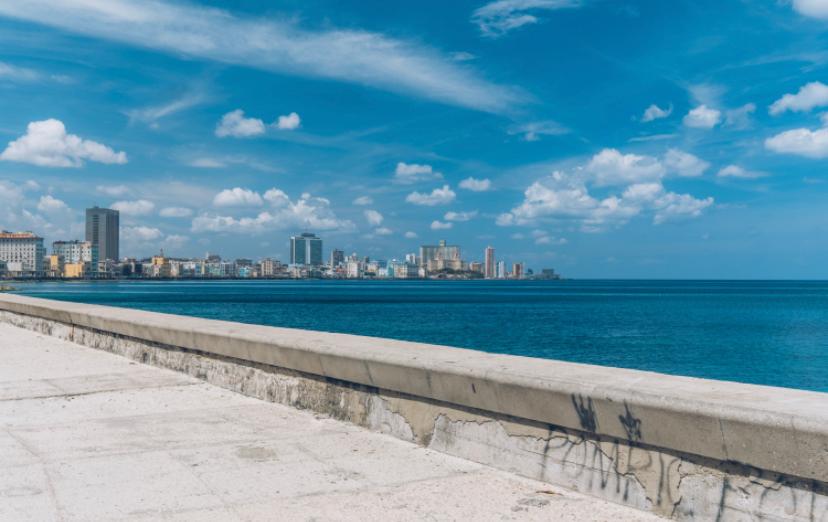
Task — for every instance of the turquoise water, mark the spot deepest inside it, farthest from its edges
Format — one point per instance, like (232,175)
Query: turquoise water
(773,333)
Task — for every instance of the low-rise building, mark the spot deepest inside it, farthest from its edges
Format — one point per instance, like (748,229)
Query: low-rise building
(23,253)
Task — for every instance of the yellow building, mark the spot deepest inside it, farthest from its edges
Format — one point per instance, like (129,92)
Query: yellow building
(55,266)
(74,270)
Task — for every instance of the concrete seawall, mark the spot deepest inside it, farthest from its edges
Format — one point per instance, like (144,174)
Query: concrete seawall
(681,447)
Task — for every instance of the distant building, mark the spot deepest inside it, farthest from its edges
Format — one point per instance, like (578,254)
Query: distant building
(476,267)
(103,231)
(440,257)
(270,267)
(547,273)
(411,259)
(76,251)
(306,249)
(517,271)
(337,258)
(489,263)
(23,253)
(501,270)
(56,265)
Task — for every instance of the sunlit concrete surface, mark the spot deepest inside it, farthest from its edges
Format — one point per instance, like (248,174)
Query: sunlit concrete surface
(87,435)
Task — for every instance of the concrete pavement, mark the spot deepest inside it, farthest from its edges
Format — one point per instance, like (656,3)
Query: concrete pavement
(87,435)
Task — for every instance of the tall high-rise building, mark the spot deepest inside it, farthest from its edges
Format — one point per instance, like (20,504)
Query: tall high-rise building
(337,258)
(22,253)
(489,264)
(517,270)
(501,270)
(306,249)
(102,230)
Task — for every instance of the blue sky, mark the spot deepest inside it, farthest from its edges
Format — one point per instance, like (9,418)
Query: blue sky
(602,138)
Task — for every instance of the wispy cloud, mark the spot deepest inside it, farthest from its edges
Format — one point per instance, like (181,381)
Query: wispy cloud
(502,16)
(354,56)
(151,114)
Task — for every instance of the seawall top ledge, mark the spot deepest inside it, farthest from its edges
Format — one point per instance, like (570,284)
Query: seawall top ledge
(776,429)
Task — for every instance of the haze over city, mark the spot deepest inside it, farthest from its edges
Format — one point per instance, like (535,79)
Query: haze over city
(606,139)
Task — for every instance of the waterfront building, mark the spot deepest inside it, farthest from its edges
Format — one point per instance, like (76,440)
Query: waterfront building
(337,257)
(23,253)
(440,257)
(353,269)
(103,231)
(489,263)
(74,270)
(411,259)
(270,267)
(476,267)
(3,268)
(501,270)
(517,271)
(306,249)
(56,264)
(76,251)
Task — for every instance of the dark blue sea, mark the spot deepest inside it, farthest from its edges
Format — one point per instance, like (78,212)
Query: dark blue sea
(773,333)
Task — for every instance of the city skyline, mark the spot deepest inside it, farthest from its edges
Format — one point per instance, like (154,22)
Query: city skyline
(587,151)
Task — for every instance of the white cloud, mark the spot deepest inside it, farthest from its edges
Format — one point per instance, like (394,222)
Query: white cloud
(611,167)
(438,196)
(735,171)
(363,201)
(439,225)
(288,122)
(206,163)
(560,197)
(175,241)
(235,124)
(150,115)
(411,235)
(534,130)
(810,95)
(383,231)
(476,185)
(175,212)
(19,74)
(684,163)
(739,117)
(112,190)
(140,234)
(47,144)
(502,16)
(460,216)
(237,197)
(800,142)
(307,212)
(703,117)
(373,217)
(408,173)
(49,205)
(654,112)
(812,8)
(274,44)
(140,207)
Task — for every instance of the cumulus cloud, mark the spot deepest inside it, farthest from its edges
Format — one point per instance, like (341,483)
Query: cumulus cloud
(275,44)
(237,197)
(408,173)
(283,213)
(497,18)
(812,8)
(235,124)
(373,217)
(611,167)
(439,225)
(476,185)
(533,131)
(50,205)
(140,234)
(112,190)
(560,197)
(438,196)
(800,142)
(288,122)
(684,163)
(654,112)
(140,207)
(810,95)
(460,216)
(410,235)
(735,171)
(363,201)
(703,117)
(175,212)
(47,144)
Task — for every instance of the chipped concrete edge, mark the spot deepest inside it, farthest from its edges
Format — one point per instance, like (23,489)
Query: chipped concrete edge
(651,447)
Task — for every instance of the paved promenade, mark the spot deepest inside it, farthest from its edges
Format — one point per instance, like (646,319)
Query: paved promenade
(86,435)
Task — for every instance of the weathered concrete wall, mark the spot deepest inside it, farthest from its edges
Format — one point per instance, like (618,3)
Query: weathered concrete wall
(685,448)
